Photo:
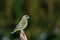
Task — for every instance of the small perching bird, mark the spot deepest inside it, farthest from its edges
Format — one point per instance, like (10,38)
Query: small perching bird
(22,24)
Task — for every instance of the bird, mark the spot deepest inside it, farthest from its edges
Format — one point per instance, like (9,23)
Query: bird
(22,24)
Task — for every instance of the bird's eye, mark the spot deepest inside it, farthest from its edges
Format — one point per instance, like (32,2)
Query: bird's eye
(26,16)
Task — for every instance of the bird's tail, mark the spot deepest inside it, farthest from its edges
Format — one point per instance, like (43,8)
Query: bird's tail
(13,32)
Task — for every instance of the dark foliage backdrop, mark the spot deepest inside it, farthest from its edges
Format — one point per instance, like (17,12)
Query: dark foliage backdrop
(44,22)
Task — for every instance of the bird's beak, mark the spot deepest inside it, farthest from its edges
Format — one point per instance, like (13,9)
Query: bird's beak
(28,17)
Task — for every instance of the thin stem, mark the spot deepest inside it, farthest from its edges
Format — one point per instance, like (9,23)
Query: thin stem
(23,35)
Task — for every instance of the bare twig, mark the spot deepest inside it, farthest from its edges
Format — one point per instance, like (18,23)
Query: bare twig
(23,35)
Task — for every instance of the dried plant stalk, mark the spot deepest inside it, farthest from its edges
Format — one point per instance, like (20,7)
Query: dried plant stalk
(23,35)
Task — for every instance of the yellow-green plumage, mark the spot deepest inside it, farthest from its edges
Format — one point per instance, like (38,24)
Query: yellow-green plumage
(22,24)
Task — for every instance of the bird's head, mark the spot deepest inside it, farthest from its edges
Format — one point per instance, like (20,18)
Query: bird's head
(25,17)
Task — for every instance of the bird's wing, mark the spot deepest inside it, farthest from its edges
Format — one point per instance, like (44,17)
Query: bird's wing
(21,25)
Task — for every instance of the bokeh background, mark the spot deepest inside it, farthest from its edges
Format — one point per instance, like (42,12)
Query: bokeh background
(44,22)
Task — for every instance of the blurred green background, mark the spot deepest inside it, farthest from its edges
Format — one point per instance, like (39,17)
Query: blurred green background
(44,22)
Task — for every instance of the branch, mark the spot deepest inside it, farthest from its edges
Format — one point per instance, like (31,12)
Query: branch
(23,35)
